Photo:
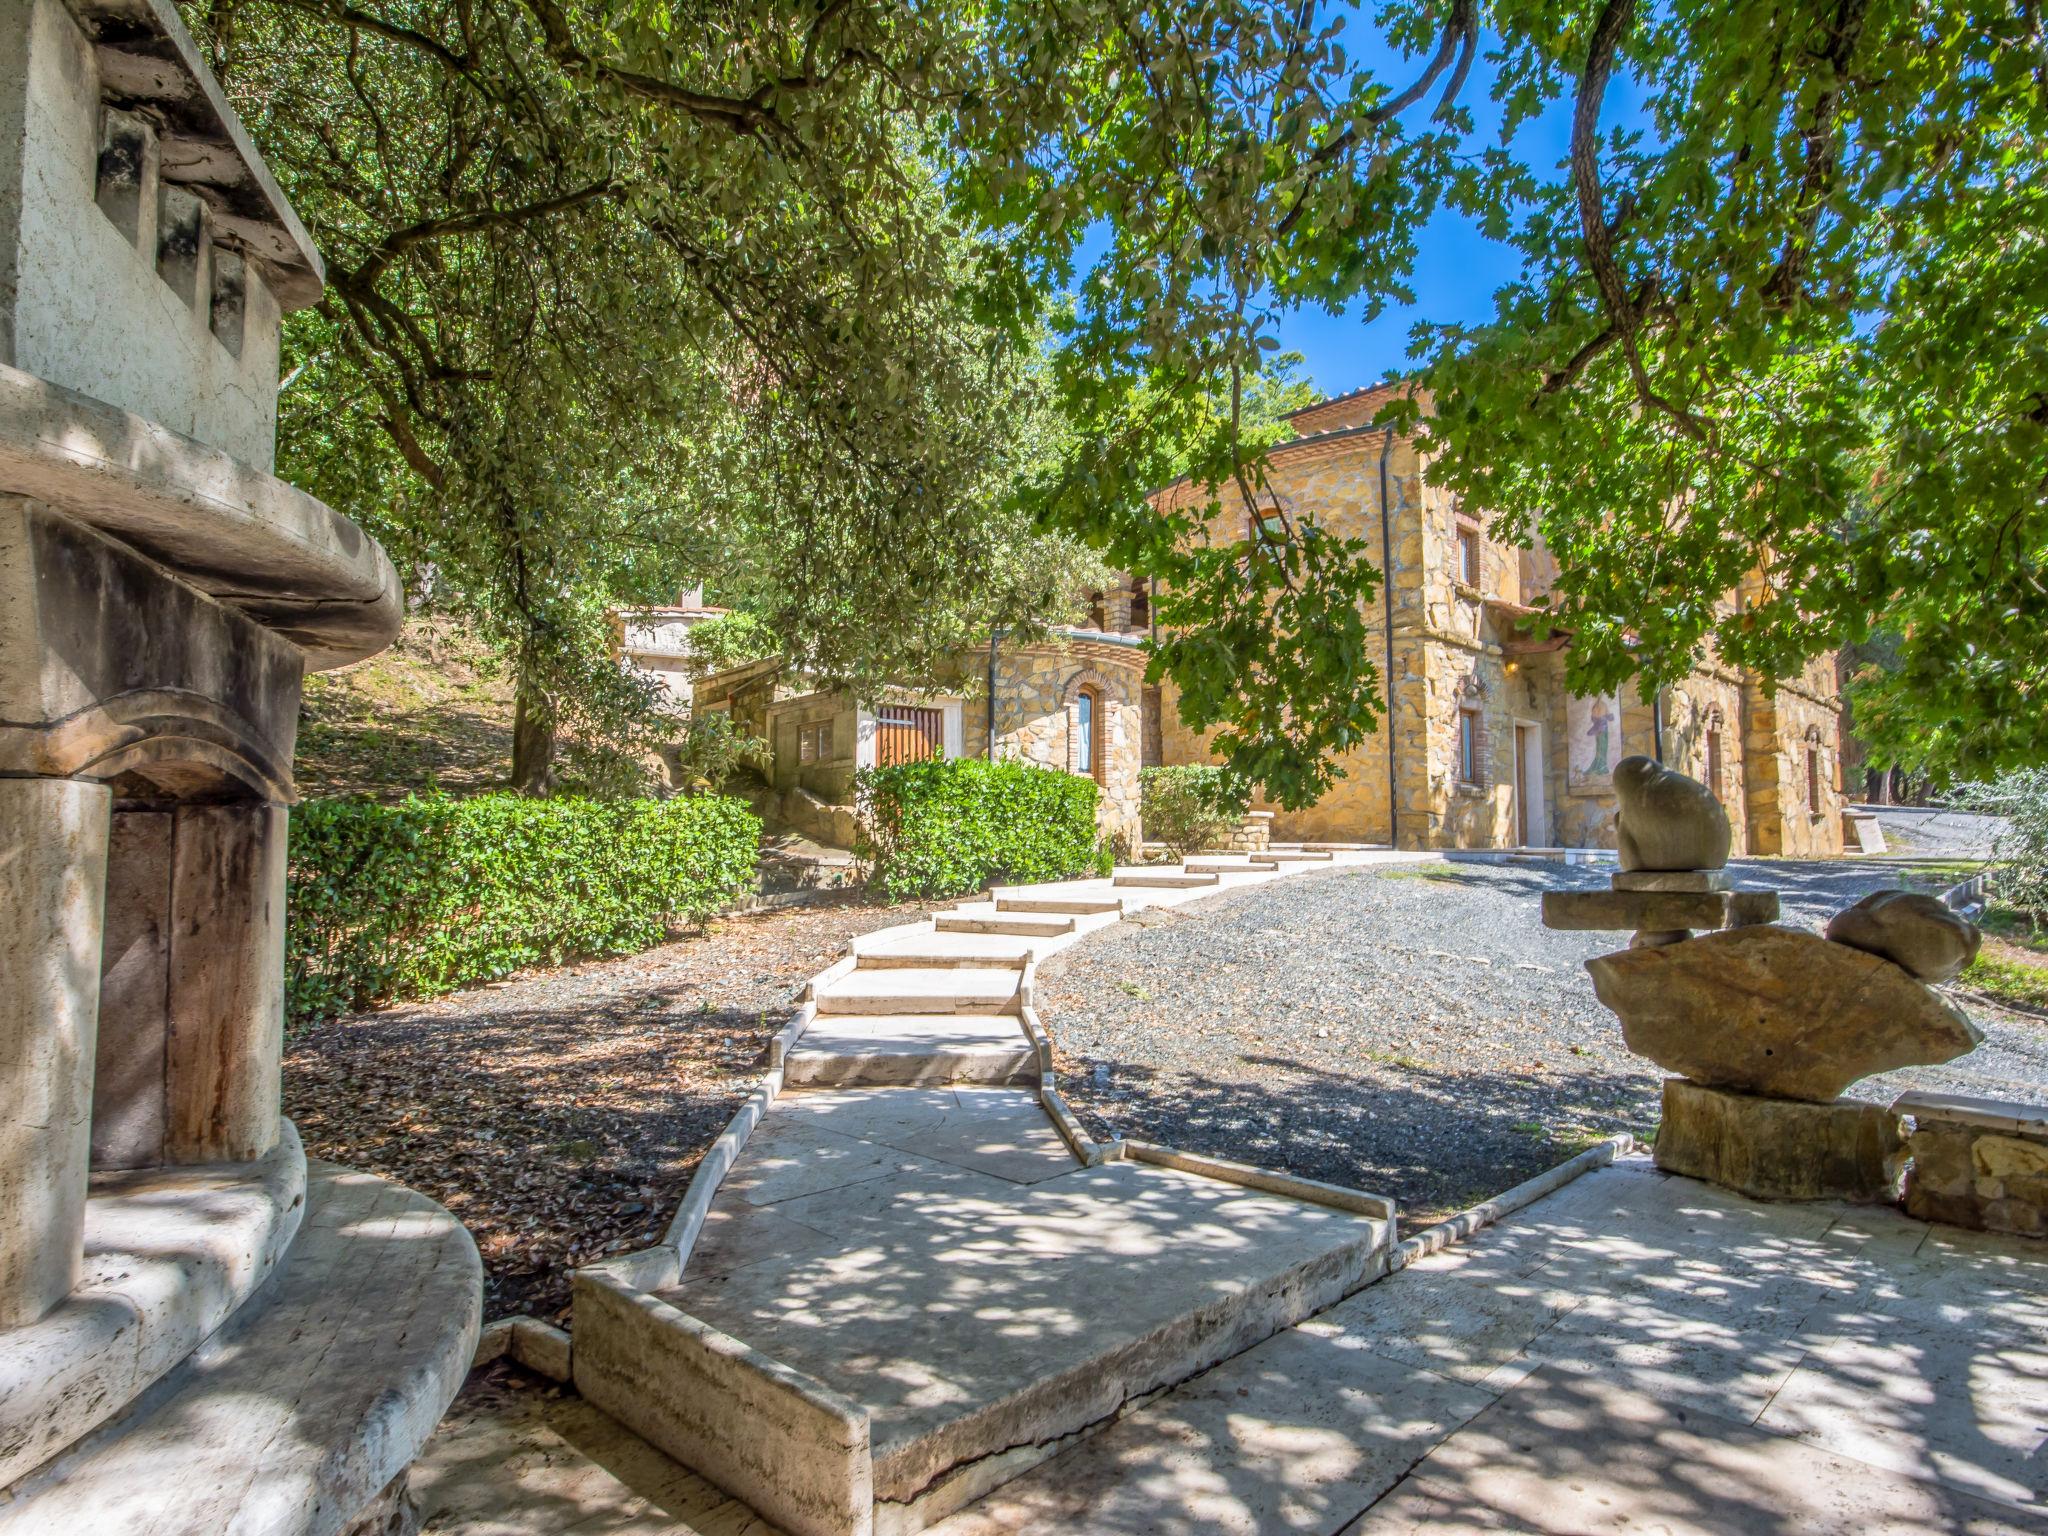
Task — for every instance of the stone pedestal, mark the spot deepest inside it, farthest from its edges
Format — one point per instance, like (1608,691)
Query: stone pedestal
(196,1336)
(1779,1149)
(53,860)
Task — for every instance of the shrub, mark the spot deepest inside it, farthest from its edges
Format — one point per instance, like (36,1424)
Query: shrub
(732,640)
(430,894)
(2020,853)
(947,827)
(1190,807)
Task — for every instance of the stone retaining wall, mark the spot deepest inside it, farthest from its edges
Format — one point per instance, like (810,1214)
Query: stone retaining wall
(1978,1163)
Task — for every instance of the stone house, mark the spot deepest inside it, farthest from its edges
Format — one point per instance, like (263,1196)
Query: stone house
(1073,701)
(1483,745)
(655,642)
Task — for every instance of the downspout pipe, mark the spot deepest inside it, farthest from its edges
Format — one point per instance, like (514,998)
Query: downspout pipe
(1387,607)
(995,636)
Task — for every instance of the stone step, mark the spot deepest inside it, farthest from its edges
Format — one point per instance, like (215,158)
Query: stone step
(953,1298)
(911,1050)
(941,950)
(1165,880)
(948,989)
(1297,856)
(1077,906)
(1022,924)
(1230,866)
(305,1403)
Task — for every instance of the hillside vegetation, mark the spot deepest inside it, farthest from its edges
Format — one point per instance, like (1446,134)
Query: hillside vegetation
(434,710)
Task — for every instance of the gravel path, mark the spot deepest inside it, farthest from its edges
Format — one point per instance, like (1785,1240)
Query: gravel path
(1414,1030)
(561,1113)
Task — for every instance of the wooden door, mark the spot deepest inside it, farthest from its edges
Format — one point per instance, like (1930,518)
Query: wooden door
(906,733)
(1522,786)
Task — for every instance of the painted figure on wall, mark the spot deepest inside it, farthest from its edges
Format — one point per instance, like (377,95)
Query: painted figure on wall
(1595,735)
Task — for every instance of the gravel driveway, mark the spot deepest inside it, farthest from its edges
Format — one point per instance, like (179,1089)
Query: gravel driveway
(1412,1030)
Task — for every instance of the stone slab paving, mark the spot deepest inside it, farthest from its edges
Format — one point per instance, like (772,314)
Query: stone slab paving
(1633,1353)
(522,1460)
(967,1269)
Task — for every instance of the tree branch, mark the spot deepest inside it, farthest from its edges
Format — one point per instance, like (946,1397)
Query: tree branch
(399,241)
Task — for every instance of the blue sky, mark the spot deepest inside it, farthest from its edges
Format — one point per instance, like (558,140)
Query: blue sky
(1457,269)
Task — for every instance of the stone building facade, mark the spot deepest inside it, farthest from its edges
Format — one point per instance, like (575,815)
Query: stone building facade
(1483,745)
(1073,703)
(655,642)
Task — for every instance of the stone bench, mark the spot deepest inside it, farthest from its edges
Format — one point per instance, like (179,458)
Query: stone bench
(1979,1163)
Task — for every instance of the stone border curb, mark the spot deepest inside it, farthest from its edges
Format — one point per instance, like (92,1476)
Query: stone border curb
(541,1347)
(1340,1197)
(1461,1226)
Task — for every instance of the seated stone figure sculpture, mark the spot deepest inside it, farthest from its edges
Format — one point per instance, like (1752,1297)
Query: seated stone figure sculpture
(1666,820)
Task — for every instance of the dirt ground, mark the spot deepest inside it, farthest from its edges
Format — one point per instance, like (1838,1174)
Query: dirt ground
(560,1114)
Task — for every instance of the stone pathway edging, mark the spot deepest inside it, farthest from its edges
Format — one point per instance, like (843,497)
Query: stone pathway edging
(663,1263)
(1455,1229)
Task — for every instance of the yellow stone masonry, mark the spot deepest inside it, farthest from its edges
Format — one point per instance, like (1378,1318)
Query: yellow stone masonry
(1479,724)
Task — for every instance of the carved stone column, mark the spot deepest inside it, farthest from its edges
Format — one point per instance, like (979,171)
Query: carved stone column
(53,860)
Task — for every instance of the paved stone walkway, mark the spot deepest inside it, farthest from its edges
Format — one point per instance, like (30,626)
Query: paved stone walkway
(921,1245)
(1635,1353)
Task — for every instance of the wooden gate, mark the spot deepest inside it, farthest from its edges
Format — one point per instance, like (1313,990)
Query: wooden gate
(906,733)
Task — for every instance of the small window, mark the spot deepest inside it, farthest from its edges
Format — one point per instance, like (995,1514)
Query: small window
(1813,780)
(1088,733)
(1468,556)
(1141,604)
(1468,746)
(1714,763)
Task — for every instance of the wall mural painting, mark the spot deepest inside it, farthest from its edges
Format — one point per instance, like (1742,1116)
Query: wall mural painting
(1593,736)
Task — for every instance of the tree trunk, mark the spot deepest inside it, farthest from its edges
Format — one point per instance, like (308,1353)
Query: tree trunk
(533,739)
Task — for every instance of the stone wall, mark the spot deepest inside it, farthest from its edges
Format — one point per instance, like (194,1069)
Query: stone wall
(745,693)
(829,773)
(1978,1163)
(85,302)
(1037,691)
(1792,762)
(1462,645)
(1702,713)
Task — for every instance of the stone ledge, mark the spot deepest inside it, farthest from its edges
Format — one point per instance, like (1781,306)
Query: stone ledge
(1982,1114)
(170,1254)
(307,1404)
(289,562)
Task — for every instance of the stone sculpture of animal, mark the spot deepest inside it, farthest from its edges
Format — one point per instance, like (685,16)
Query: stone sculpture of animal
(1666,820)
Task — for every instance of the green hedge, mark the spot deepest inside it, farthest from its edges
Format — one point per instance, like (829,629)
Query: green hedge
(947,827)
(422,897)
(1190,807)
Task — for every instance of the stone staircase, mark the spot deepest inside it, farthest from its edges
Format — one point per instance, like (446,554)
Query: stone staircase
(906,1273)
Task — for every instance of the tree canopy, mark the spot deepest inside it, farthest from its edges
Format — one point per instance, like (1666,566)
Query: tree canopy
(867,290)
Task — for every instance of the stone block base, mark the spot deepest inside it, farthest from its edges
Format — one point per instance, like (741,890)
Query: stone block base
(1977,1176)
(1779,1149)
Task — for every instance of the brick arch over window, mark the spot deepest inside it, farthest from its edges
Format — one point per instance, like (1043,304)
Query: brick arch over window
(1089,697)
